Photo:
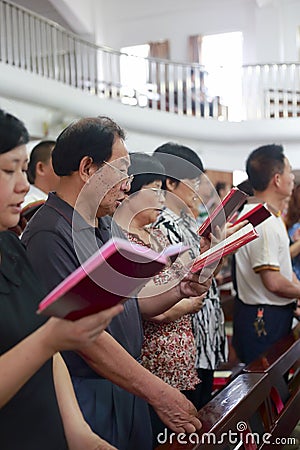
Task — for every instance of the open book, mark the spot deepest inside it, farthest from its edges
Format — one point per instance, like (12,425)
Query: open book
(222,213)
(225,247)
(112,274)
(255,216)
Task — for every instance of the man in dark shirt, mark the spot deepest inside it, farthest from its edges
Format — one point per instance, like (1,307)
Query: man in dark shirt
(92,161)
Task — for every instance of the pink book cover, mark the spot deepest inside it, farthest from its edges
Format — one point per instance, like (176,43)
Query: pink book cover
(255,216)
(225,247)
(108,277)
(222,213)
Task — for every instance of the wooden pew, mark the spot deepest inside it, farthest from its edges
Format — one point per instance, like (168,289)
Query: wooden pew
(239,409)
(282,363)
(264,399)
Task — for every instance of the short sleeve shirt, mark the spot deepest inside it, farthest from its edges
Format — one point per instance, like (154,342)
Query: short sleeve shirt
(269,251)
(57,240)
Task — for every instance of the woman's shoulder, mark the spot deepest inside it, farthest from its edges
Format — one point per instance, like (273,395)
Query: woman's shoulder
(11,248)
(10,241)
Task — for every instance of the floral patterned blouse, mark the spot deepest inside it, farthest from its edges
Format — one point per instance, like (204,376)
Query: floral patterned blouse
(208,323)
(169,349)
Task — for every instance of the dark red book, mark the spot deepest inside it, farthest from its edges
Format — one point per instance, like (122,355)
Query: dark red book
(222,213)
(224,248)
(114,273)
(255,216)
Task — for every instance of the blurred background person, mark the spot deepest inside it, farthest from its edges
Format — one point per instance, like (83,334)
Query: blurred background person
(40,173)
(222,189)
(292,221)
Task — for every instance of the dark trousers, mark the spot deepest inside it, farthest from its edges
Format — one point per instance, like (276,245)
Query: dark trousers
(246,342)
(202,394)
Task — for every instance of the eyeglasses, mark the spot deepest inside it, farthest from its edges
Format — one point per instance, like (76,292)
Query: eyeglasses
(125,177)
(158,192)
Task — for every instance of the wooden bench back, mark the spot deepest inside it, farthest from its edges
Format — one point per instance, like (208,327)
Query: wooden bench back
(264,401)
(281,363)
(228,417)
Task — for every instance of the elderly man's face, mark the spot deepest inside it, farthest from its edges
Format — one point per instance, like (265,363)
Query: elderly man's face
(111,180)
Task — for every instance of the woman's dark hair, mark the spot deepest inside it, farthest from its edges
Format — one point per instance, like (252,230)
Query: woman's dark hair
(180,162)
(263,163)
(145,169)
(93,136)
(40,153)
(13,132)
(293,211)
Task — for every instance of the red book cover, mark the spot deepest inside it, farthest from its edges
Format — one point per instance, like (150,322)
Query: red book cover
(222,213)
(110,276)
(255,216)
(225,247)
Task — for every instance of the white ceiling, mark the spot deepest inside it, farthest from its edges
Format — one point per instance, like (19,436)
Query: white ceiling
(45,9)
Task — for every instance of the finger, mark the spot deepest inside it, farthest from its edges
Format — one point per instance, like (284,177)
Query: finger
(108,314)
(192,427)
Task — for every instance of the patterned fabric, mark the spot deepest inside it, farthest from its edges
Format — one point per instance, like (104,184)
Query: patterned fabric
(169,348)
(208,323)
(296,260)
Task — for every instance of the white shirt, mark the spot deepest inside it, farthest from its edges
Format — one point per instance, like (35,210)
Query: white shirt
(269,251)
(34,194)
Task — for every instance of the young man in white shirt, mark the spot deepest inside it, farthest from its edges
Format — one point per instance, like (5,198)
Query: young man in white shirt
(266,285)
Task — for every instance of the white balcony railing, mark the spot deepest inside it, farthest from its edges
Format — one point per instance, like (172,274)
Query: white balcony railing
(37,45)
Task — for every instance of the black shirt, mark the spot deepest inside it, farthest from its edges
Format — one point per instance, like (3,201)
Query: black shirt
(31,419)
(58,239)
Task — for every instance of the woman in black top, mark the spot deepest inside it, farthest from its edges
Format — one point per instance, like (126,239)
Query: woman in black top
(38,408)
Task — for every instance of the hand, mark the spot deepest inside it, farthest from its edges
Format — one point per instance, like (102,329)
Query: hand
(296,235)
(225,232)
(68,335)
(230,229)
(176,411)
(194,304)
(191,286)
(205,244)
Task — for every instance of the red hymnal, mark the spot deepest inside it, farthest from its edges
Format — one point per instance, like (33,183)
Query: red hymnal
(111,275)
(225,247)
(255,216)
(222,213)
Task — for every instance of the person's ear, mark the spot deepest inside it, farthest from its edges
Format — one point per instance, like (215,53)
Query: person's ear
(171,185)
(277,179)
(85,168)
(39,168)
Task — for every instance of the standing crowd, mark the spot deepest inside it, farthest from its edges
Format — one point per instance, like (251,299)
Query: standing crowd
(118,378)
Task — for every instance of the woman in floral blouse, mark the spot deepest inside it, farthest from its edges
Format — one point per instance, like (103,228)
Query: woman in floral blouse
(169,348)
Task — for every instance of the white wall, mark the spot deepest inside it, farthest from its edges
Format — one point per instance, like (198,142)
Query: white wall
(269,30)
(138,22)
(269,26)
